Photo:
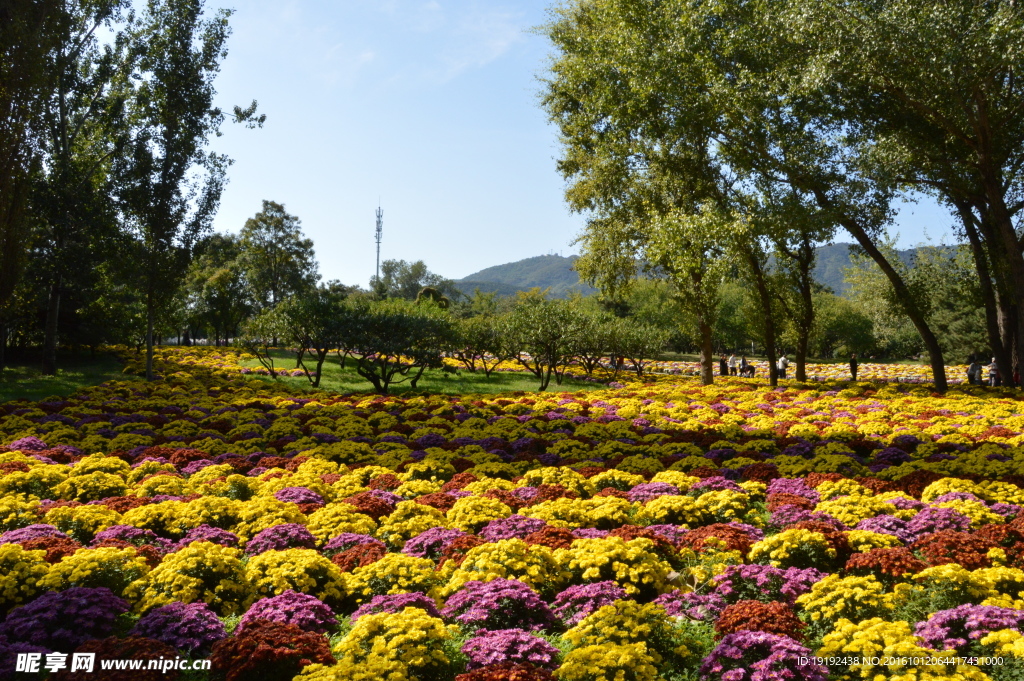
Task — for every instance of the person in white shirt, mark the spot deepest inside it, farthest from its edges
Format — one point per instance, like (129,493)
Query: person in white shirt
(734,365)
(783,365)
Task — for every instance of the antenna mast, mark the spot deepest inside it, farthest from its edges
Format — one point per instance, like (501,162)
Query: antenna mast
(380,234)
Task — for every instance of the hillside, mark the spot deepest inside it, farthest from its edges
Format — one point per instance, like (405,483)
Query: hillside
(544,271)
(555,272)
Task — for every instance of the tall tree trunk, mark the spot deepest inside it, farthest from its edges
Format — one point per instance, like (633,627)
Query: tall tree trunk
(149,333)
(707,359)
(1008,246)
(988,295)
(50,331)
(805,321)
(903,293)
(765,298)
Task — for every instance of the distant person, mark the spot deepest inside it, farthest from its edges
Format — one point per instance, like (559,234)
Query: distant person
(783,365)
(734,365)
(974,371)
(723,366)
(750,370)
(993,373)
(743,365)
(853,366)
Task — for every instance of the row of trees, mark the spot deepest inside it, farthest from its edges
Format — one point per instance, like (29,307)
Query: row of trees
(698,136)
(391,341)
(107,182)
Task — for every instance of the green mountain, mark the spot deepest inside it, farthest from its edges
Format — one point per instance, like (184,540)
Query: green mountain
(556,273)
(544,271)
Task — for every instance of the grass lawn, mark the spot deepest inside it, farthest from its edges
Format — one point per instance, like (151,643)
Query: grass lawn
(433,380)
(74,372)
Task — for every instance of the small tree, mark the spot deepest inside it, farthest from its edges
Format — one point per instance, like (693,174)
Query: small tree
(259,335)
(399,340)
(481,342)
(313,325)
(546,332)
(638,343)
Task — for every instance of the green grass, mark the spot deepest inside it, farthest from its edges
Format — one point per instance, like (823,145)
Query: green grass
(74,372)
(346,380)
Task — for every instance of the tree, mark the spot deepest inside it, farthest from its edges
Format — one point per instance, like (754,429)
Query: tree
(216,286)
(314,324)
(638,343)
(278,260)
(545,332)
(480,341)
(169,186)
(663,101)
(29,33)
(401,279)
(398,340)
(260,334)
(84,123)
(687,247)
(935,89)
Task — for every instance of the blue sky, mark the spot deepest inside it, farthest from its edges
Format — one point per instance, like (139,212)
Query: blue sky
(431,105)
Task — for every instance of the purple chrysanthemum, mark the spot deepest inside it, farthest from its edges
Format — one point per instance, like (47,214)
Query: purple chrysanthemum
(134,535)
(512,527)
(23,534)
(509,645)
(63,620)
(214,535)
(646,491)
(281,537)
(759,656)
(960,626)
(694,606)
(306,612)
(298,495)
(795,486)
(347,540)
(431,543)
(499,604)
(765,583)
(931,520)
(576,602)
(191,628)
(887,524)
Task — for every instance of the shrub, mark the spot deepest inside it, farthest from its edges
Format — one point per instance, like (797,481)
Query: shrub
(63,620)
(772,618)
(201,571)
(107,567)
(577,602)
(270,651)
(190,628)
(757,656)
(509,645)
(632,565)
(274,572)
(408,644)
(21,572)
(132,648)
(291,607)
(498,604)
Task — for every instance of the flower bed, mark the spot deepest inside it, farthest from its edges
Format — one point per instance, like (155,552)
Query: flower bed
(660,530)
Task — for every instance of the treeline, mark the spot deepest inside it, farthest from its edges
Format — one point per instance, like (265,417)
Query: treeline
(701,136)
(394,340)
(107,181)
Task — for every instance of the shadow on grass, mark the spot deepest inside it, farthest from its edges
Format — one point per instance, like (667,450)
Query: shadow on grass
(346,380)
(25,380)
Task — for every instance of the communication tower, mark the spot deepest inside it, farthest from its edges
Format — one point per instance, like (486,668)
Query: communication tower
(380,234)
